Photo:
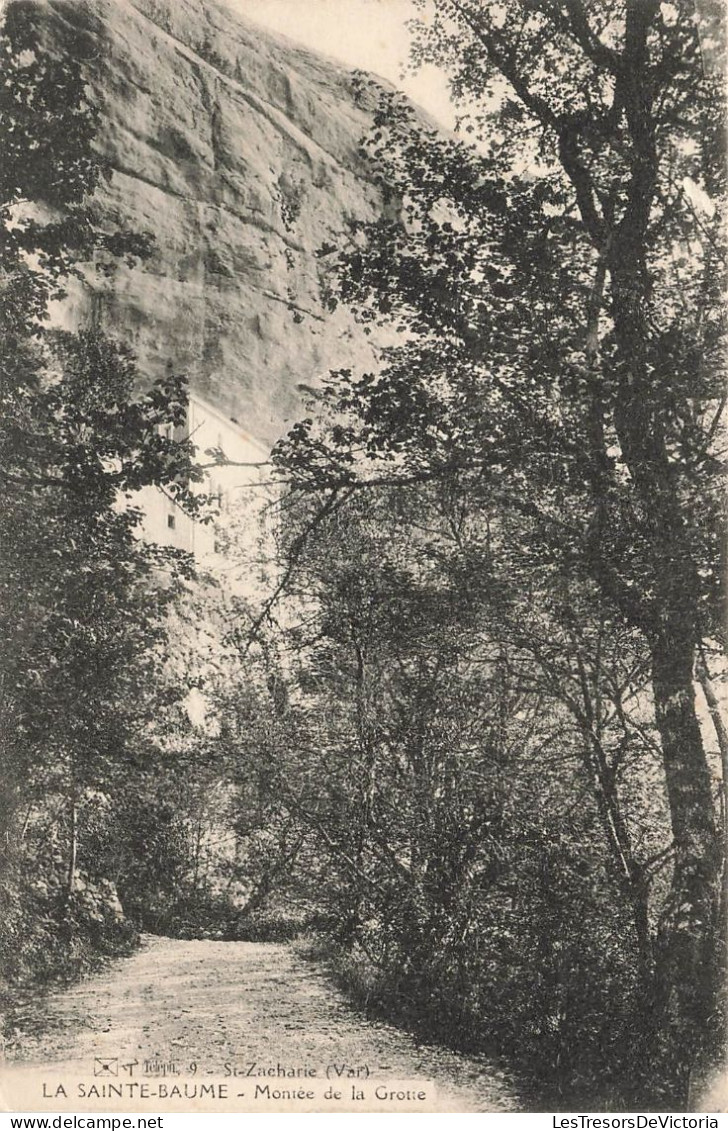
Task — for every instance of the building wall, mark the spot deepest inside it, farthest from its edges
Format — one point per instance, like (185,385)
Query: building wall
(240,491)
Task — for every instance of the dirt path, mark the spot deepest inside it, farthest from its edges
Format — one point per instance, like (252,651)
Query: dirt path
(238,1017)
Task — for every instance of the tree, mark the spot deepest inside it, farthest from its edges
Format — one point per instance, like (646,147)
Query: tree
(468,785)
(561,291)
(80,610)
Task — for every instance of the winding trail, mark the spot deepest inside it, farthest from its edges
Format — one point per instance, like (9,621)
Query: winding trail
(187,1013)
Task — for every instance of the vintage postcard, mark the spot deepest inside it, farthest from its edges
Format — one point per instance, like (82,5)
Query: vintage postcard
(362,564)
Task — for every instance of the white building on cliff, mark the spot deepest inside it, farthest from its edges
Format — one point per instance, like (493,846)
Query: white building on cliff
(236,474)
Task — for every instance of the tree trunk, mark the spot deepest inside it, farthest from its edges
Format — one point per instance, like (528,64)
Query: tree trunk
(722,736)
(73,851)
(668,614)
(687,939)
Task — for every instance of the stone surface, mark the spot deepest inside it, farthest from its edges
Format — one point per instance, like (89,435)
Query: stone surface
(238,150)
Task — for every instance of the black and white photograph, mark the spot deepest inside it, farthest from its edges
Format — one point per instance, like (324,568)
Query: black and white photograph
(363,680)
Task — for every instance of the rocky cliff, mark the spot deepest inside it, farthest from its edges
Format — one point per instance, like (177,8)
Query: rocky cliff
(238,151)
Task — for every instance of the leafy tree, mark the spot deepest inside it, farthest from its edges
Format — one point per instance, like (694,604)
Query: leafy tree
(80,605)
(488,859)
(560,288)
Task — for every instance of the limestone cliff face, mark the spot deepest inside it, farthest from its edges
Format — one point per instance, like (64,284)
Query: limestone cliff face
(238,151)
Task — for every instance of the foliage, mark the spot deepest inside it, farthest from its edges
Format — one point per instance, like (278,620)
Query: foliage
(458,820)
(80,604)
(557,289)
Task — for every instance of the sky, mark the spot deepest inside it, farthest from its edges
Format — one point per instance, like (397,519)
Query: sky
(370,34)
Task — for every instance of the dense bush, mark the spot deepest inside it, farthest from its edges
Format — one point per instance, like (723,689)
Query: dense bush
(47,935)
(539,967)
(462,814)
